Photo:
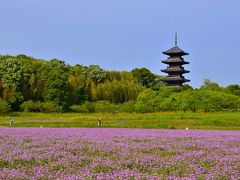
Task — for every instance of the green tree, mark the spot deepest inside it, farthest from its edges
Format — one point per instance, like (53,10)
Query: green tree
(144,77)
(12,80)
(96,73)
(209,85)
(77,82)
(55,86)
(233,89)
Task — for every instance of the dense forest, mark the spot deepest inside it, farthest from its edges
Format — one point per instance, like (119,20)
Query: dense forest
(29,84)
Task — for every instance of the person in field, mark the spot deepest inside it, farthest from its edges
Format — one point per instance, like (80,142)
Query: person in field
(11,121)
(99,121)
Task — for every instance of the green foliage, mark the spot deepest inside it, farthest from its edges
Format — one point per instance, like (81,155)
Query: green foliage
(76,108)
(218,101)
(4,106)
(186,100)
(30,106)
(24,78)
(96,73)
(148,101)
(115,87)
(186,87)
(233,89)
(209,85)
(151,101)
(77,85)
(128,107)
(117,91)
(56,83)
(105,107)
(144,77)
(50,107)
(12,80)
(35,85)
(87,107)
(204,100)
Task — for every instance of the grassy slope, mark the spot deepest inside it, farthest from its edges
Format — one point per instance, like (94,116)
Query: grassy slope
(179,120)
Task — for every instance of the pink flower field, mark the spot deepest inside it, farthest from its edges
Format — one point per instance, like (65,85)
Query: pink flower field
(34,153)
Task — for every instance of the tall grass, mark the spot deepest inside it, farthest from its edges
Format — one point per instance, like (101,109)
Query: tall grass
(166,120)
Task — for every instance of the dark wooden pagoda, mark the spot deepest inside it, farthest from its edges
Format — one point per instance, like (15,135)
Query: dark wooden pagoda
(175,69)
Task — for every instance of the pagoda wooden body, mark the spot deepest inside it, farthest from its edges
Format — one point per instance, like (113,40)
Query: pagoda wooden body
(175,69)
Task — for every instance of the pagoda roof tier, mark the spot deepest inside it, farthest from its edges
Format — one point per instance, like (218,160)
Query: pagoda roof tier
(174,79)
(175,70)
(175,61)
(175,51)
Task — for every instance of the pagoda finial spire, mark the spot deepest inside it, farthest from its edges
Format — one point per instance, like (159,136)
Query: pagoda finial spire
(176,39)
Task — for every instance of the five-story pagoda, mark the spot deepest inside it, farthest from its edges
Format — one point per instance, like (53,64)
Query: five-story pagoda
(175,69)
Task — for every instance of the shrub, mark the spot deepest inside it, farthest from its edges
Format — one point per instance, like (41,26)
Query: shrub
(76,108)
(148,101)
(30,106)
(209,85)
(233,89)
(169,104)
(49,107)
(87,107)
(4,106)
(205,100)
(104,106)
(128,107)
(186,100)
(217,101)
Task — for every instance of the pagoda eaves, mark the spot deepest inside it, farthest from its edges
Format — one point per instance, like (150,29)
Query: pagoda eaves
(175,51)
(175,69)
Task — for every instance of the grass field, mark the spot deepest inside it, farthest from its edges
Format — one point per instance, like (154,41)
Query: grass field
(166,120)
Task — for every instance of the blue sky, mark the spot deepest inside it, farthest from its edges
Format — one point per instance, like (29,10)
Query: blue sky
(124,34)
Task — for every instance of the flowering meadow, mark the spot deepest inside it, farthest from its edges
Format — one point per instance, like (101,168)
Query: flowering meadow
(90,153)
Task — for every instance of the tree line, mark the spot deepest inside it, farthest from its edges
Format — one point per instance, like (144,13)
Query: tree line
(30,84)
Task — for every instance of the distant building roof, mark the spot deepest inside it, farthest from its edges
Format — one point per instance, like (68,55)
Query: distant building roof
(176,79)
(175,51)
(179,70)
(177,61)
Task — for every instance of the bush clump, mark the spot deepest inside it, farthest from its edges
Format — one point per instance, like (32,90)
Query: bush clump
(128,107)
(4,106)
(87,107)
(151,100)
(105,107)
(30,106)
(203,100)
